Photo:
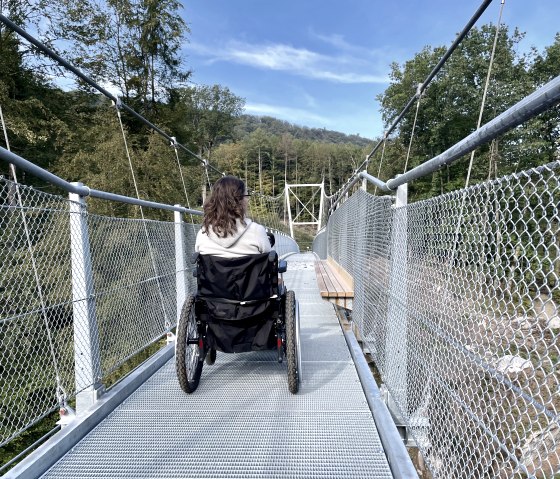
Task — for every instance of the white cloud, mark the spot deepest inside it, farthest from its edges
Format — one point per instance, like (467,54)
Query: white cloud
(293,115)
(298,61)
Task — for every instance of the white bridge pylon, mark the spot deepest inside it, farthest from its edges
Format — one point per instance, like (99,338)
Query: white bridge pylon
(307,208)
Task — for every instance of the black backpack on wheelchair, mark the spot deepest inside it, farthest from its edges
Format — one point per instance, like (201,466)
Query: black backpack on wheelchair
(240,305)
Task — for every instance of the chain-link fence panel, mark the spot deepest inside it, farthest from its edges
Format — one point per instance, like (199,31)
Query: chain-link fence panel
(134,282)
(319,246)
(285,244)
(127,299)
(36,352)
(458,298)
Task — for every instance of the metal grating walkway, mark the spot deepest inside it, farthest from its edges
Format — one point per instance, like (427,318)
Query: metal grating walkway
(242,421)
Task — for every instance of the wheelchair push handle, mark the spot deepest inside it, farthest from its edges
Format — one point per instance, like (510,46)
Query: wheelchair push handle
(271,238)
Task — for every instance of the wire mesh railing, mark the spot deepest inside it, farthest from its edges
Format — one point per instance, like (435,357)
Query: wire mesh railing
(39,335)
(80,294)
(269,211)
(457,299)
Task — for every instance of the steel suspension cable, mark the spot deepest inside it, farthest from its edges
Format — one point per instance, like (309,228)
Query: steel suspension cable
(150,248)
(60,392)
(411,135)
(50,53)
(174,145)
(481,9)
(437,68)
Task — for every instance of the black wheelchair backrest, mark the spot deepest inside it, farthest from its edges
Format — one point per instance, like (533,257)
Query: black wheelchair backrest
(247,278)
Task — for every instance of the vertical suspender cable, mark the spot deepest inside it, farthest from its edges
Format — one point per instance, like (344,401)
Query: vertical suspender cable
(455,239)
(207,176)
(486,84)
(60,392)
(150,248)
(174,145)
(413,128)
(381,160)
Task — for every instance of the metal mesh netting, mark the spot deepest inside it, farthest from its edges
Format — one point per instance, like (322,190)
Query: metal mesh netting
(35,305)
(269,211)
(457,299)
(133,297)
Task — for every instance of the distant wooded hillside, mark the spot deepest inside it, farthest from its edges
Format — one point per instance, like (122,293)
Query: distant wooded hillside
(247,124)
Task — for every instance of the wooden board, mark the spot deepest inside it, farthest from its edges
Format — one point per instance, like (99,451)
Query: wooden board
(333,284)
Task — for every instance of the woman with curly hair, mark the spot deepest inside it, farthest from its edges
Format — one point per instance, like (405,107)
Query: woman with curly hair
(225,231)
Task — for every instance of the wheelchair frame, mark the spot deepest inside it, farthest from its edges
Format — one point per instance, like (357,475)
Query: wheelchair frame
(192,348)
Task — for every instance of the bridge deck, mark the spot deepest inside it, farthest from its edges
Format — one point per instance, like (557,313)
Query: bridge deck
(242,421)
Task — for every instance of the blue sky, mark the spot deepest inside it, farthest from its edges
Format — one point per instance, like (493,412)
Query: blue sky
(321,63)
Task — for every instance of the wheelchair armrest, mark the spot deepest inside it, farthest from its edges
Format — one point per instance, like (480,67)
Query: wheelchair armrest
(282,266)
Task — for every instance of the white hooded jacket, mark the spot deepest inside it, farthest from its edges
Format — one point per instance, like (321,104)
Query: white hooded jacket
(250,238)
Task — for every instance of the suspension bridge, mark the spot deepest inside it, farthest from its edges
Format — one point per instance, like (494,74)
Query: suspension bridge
(450,298)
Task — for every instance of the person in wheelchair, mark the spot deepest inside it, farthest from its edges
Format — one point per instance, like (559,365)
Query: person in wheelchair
(241,304)
(226,231)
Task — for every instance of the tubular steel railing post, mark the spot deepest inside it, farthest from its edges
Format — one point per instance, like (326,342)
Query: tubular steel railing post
(180,263)
(86,337)
(396,347)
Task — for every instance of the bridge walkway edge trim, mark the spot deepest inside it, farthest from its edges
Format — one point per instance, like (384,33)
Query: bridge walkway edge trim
(399,461)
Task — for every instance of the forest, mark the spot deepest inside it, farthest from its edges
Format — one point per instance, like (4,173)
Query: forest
(63,125)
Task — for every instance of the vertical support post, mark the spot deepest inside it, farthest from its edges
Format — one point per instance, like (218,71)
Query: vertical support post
(287,194)
(86,337)
(396,345)
(321,207)
(180,263)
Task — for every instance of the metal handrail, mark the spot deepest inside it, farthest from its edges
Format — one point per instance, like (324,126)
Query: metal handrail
(83,190)
(540,100)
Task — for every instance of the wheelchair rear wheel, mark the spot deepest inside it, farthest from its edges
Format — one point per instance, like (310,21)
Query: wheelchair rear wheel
(292,343)
(189,350)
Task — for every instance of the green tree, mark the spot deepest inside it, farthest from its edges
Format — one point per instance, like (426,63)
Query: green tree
(449,107)
(204,115)
(132,44)
(542,135)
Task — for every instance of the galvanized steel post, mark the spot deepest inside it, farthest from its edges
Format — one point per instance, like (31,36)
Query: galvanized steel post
(86,336)
(180,263)
(396,347)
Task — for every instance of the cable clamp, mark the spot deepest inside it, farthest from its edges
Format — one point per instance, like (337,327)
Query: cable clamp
(174,142)
(419,90)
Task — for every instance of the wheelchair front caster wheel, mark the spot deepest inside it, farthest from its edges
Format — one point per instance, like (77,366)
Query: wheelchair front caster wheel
(211,356)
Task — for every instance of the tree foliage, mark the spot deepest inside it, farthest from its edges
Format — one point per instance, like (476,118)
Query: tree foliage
(450,107)
(76,133)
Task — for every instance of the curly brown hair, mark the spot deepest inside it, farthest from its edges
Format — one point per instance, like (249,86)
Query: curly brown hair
(224,207)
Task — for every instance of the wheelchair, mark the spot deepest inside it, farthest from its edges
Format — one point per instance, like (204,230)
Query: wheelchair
(240,305)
